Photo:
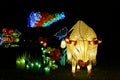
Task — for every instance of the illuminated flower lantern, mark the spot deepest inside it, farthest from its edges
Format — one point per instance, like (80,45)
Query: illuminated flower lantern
(81,46)
(55,55)
(10,37)
(49,56)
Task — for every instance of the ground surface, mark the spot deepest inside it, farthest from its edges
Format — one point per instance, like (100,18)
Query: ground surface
(63,73)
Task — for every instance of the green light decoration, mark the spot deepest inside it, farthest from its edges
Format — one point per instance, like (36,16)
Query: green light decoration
(47,70)
(46,60)
(27,66)
(21,60)
(17,40)
(34,65)
(48,63)
(14,45)
(53,65)
(41,64)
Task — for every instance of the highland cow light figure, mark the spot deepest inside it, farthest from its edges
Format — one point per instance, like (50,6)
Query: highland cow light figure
(81,46)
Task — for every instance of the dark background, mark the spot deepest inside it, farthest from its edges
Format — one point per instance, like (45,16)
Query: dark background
(103,19)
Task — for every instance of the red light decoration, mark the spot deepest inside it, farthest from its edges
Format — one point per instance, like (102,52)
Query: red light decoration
(4,30)
(44,44)
(10,31)
(56,55)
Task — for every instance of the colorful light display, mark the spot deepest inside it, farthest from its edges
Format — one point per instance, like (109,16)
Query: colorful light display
(10,37)
(47,57)
(43,64)
(43,19)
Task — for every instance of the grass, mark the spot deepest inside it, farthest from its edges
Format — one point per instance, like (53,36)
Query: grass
(63,73)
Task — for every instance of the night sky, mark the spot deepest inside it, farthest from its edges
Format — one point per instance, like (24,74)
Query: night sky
(103,20)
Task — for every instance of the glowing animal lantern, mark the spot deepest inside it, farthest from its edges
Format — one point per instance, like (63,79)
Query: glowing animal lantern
(81,46)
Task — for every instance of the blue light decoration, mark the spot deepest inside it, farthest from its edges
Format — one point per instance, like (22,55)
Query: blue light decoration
(1,39)
(33,17)
(43,19)
(61,33)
